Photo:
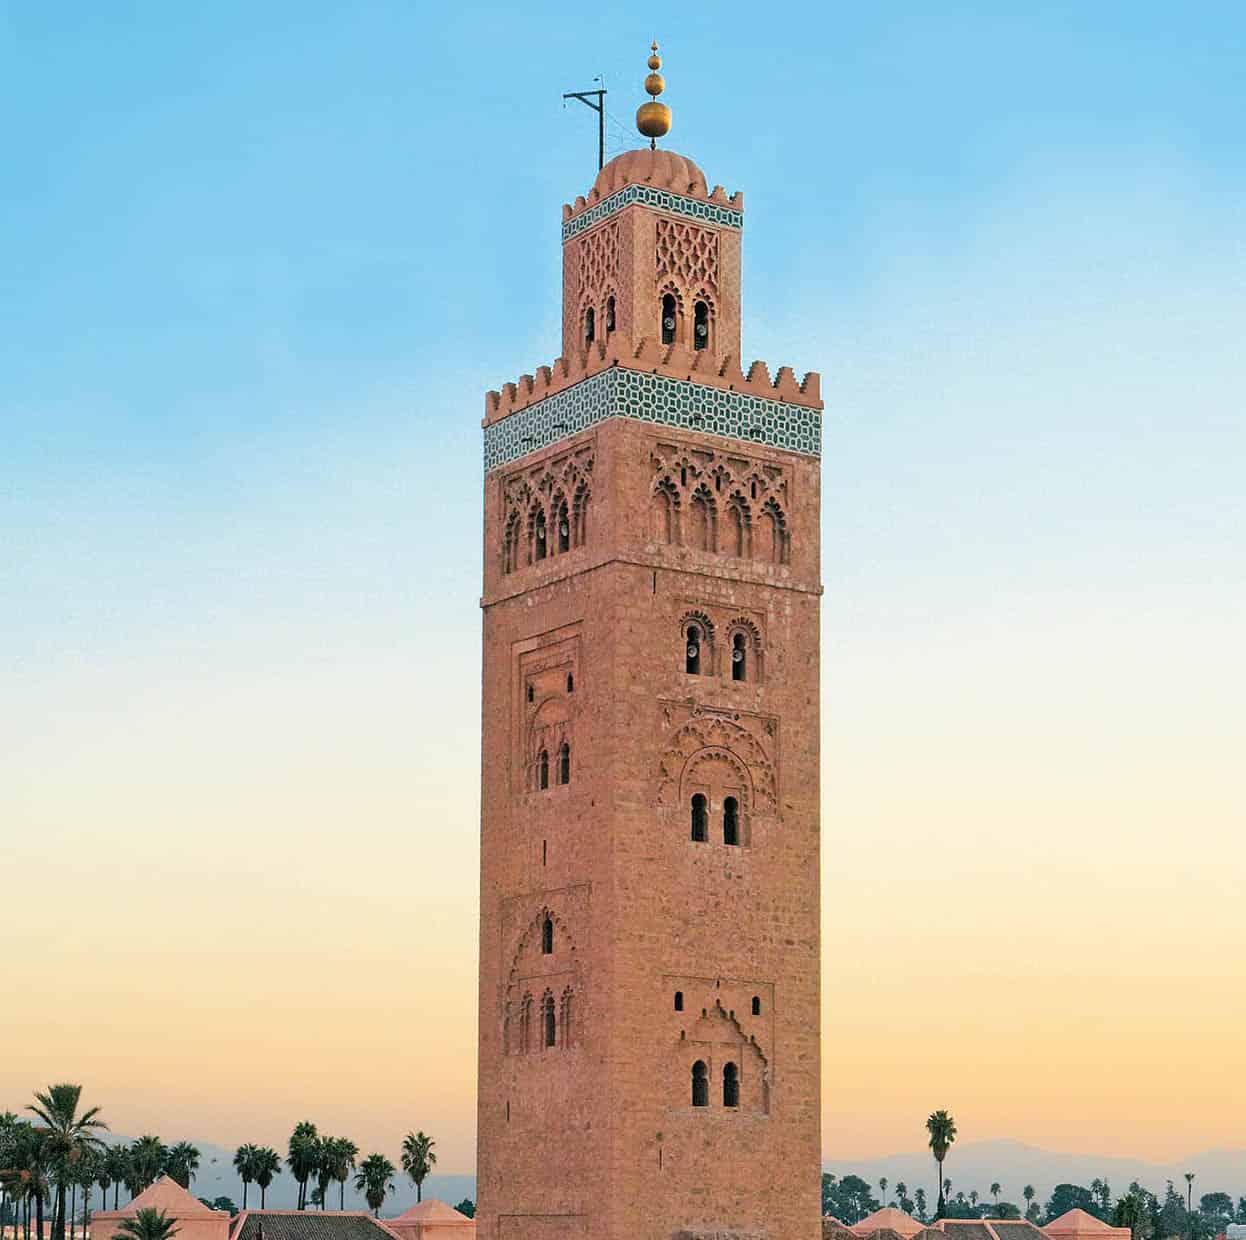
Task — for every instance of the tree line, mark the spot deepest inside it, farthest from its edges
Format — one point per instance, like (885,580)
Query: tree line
(1148,1215)
(53,1162)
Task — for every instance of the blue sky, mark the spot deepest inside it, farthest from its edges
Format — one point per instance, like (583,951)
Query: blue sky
(258,265)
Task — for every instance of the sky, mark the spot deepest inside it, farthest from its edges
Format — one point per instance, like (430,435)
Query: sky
(258,265)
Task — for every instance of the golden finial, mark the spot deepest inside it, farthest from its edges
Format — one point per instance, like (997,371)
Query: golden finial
(653,119)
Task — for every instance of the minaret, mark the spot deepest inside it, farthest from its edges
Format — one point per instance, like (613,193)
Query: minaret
(649,948)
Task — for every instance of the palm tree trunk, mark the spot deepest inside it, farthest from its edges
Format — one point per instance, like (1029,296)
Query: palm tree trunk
(39,1216)
(263,1194)
(341,1198)
(73,1197)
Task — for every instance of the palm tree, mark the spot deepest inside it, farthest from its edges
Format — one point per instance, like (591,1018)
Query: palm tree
(267,1165)
(68,1135)
(147,1157)
(418,1159)
(117,1160)
(342,1155)
(902,1192)
(942,1129)
(148,1224)
(1028,1193)
(324,1169)
(1189,1192)
(995,1190)
(374,1179)
(919,1200)
(303,1150)
(244,1164)
(882,1188)
(181,1162)
(973,1198)
(103,1172)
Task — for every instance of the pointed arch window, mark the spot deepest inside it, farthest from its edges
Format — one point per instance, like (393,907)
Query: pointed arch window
(549,1022)
(739,657)
(700,325)
(562,527)
(668,318)
(610,313)
(692,651)
(539,541)
(700,818)
(731,1085)
(564,763)
(700,1084)
(731,821)
(756,1005)
(590,325)
(547,937)
(665,510)
(542,770)
(579,513)
(679,1001)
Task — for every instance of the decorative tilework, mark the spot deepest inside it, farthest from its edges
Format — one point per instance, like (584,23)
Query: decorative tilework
(622,393)
(662,200)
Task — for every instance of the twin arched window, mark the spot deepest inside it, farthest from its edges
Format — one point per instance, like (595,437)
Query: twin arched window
(700,325)
(692,654)
(669,320)
(739,657)
(562,767)
(701,1085)
(700,819)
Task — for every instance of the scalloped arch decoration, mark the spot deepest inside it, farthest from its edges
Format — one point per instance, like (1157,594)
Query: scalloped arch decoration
(708,732)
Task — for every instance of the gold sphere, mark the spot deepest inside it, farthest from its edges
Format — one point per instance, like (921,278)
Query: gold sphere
(653,119)
(655,62)
(655,84)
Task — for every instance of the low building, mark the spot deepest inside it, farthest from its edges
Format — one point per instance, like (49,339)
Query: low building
(1078,1225)
(433,1220)
(195,1221)
(888,1219)
(308,1225)
(987,1229)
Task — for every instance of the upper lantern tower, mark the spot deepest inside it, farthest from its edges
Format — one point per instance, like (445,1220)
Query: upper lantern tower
(644,203)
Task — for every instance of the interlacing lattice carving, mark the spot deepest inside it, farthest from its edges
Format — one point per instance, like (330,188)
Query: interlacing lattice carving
(599,262)
(546,509)
(720,502)
(687,255)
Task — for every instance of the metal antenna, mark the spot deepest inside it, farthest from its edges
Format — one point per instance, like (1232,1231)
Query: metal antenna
(587,97)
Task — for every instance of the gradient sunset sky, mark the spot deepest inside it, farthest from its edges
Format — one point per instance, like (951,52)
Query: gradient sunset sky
(258,265)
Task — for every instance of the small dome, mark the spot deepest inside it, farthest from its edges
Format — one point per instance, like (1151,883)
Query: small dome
(661,168)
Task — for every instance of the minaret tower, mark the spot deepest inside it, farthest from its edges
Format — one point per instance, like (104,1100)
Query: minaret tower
(649,920)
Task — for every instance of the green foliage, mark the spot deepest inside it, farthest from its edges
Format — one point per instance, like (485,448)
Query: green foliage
(266,1165)
(1173,1219)
(849,1199)
(147,1157)
(303,1156)
(941,1128)
(181,1161)
(374,1179)
(1133,1211)
(1067,1197)
(467,1207)
(148,1224)
(418,1159)
(1006,1209)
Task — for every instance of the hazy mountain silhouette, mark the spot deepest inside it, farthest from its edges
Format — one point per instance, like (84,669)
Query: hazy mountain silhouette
(975,1164)
(216,1177)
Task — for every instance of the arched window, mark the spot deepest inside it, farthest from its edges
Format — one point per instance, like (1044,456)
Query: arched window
(570,683)
(610,313)
(737,529)
(565,1017)
(703,522)
(562,522)
(590,326)
(739,657)
(564,763)
(539,541)
(700,325)
(547,937)
(756,1005)
(731,1085)
(700,1084)
(775,545)
(579,513)
(692,652)
(668,318)
(542,769)
(525,1025)
(531,692)
(510,544)
(679,1001)
(549,1022)
(665,509)
(700,819)
(731,821)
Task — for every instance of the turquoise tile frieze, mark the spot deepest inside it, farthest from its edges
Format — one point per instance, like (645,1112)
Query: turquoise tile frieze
(662,200)
(622,393)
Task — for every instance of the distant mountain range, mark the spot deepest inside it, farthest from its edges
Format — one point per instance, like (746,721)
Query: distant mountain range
(216,1177)
(969,1165)
(976,1164)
